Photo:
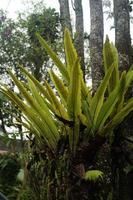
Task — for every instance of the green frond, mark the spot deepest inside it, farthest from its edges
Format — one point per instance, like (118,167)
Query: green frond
(40,87)
(74,96)
(97,100)
(89,123)
(129,78)
(110,104)
(39,128)
(61,88)
(74,104)
(69,107)
(54,57)
(85,92)
(122,91)
(110,56)
(70,51)
(93,175)
(107,108)
(36,110)
(37,97)
(59,108)
(119,117)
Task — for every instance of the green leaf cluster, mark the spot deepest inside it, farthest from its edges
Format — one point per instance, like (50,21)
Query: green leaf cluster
(93,175)
(70,106)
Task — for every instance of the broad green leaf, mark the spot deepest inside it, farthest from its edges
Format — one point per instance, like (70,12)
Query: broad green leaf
(85,92)
(87,113)
(109,105)
(70,51)
(122,91)
(47,99)
(97,100)
(71,57)
(83,119)
(74,104)
(129,78)
(36,82)
(74,96)
(61,88)
(119,117)
(54,57)
(107,109)
(31,101)
(110,56)
(59,108)
(38,126)
(38,98)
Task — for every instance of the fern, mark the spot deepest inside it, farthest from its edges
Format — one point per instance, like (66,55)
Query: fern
(93,175)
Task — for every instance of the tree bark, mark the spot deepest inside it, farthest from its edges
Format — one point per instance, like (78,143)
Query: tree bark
(79,40)
(96,41)
(122,33)
(3,124)
(65,15)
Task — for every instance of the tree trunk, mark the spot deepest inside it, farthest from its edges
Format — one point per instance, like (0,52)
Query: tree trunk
(2,127)
(96,41)
(65,15)
(122,32)
(79,40)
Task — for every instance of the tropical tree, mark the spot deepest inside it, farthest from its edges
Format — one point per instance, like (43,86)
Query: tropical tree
(46,22)
(18,42)
(12,43)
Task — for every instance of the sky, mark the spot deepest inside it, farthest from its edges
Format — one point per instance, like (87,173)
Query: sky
(12,6)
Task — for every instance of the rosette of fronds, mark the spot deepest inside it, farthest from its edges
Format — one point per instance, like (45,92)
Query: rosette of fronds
(71,110)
